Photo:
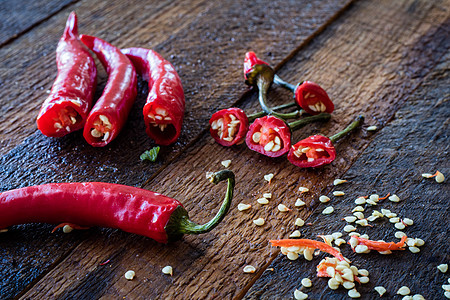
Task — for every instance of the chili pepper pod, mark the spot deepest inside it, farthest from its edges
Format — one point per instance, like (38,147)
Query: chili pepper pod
(271,136)
(318,150)
(309,96)
(102,204)
(164,110)
(66,108)
(111,110)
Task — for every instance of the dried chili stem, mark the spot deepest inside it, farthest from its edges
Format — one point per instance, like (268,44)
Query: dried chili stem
(300,123)
(282,83)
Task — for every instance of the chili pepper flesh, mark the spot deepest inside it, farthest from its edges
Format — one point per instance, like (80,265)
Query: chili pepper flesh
(66,108)
(164,109)
(308,244)
(101,204)
(229,126)
(381,246)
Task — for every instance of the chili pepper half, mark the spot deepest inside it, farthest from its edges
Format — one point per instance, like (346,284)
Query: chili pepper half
(229,126)
(164,110)
(271,136)
(111,110)
(309,96)
(70,99)
(318,150)
(117,206)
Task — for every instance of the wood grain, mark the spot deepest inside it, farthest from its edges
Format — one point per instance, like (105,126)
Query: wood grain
(365,71)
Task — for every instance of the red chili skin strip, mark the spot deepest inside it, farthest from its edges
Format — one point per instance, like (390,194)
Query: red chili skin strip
(309,244)
(229,126)
(304,154)
(118,96)
(66,108)
(382,246)
(165,95)
(102,204)
(269,129)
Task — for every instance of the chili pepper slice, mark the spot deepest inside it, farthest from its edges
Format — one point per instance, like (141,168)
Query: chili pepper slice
(70,99)
(270,136)
(229,126)
(381,246)
(111,110)
(102,204)
(308,244)
(318,150)
(312,98)
(164,110)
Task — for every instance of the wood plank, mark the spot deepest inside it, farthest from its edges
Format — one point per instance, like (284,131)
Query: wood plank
(415,142)
(168,26)
(18,17)
(373,76)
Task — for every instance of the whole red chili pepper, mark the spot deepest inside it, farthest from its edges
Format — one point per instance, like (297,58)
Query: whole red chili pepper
(66,108)
(229,126)
(117,206)
(271,136)
(164,110)
(309,96)
(111,110)
(318,150)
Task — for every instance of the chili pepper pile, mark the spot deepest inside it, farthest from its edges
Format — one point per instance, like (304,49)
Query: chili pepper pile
(269,132)
(70,107)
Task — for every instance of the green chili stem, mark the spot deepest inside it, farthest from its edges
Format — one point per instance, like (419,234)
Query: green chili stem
(359,120)
(284,84)
(300,123)
(189,227)
(263,113)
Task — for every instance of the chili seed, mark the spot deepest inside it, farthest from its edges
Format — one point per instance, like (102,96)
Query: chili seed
(338,193)
(256,137)
(350,219)
(336,235)
(359,215)
(299,295)
(410,242)
(447,295)
(371,202)
(439,177)
(299,222)
(348,285)
(360,200)
(372,218)
(308,254)
(358,208)
(353,234)
(168,270)
(372,128)
(129,275)
(333,284)
(380,290)
(303,189)
(363,279)
(268,177)
(339,181)
(407,298)
(408,221)
(394,198)
(306,282)
(243,206)
(259,222)
(328,210)
(339,242)
(282,208)
(292,255)
(419,242)
(67,229)
(443,268)
(390,215)
(296,233)
(349,228)
(362,222)
(446,287)
(263,201)
(394,220)
(353,293)
(418,297)
(226,163)
(299,202)
(399,234)
(324,199)
(361,249)
(249,269)
(267,195)
(404,290)
(399,226)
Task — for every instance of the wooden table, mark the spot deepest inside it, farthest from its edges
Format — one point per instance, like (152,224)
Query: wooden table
(388,60)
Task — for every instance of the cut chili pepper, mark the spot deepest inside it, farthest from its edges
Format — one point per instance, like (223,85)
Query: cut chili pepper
(312,98)
(164,110)
(381,246)
(229,126)
(270,136)
(117,206)
(318,150)
(66,108)
(308,244)
(111,110)
(250,62)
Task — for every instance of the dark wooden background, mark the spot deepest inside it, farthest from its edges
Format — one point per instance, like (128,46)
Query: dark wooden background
(388,60)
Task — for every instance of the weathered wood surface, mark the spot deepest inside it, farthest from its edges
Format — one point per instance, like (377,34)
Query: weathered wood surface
(370,60)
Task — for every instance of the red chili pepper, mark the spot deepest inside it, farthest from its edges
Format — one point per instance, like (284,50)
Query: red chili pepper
(312,98)
(318,150)
(111,110)
(66,108)
(123,207)
(250,61)
(270,136)
(229,126)
(164,110)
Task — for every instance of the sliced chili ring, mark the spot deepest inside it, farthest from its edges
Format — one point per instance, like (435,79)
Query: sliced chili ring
(314,151)
(229,126)
(270,136)
(312,98)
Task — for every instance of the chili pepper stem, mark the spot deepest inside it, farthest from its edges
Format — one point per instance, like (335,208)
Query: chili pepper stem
(189,227)
(359,120)
(282,83)
(263,113)
(300,123)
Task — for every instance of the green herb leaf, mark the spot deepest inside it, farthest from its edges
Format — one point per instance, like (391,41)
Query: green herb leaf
(151,154)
